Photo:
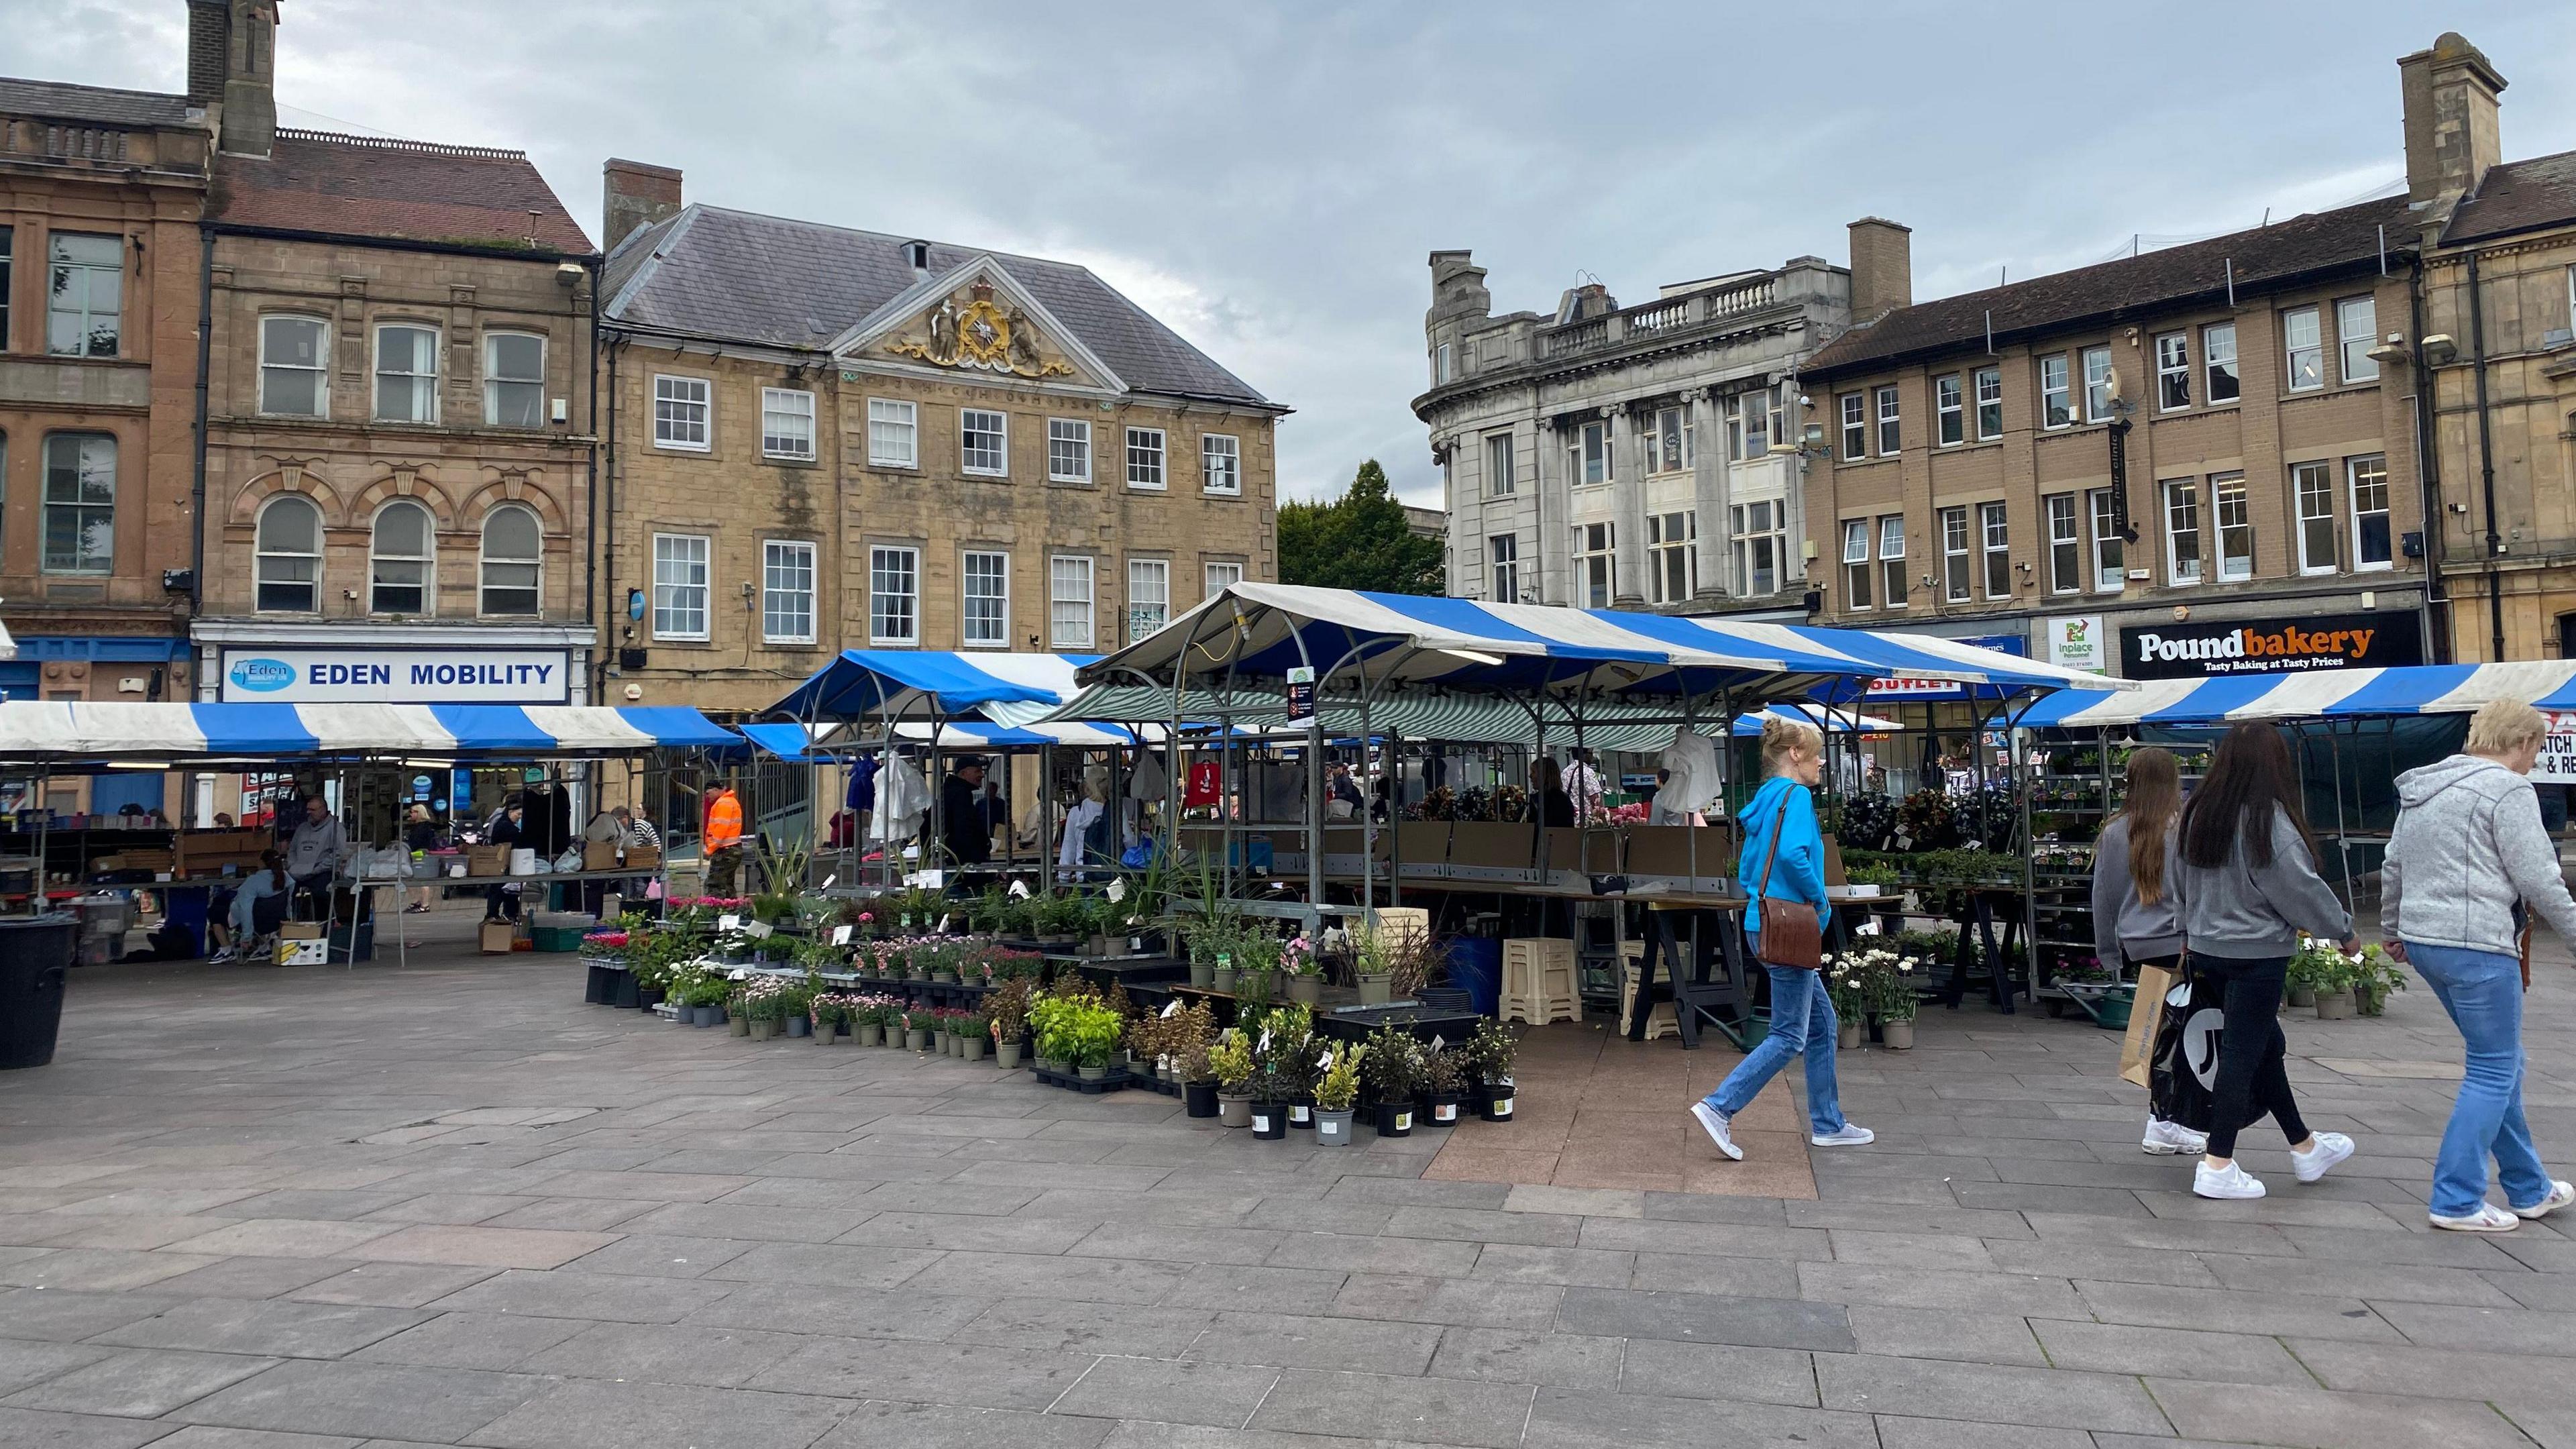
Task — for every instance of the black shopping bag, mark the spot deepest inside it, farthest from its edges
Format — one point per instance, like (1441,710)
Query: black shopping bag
(2185,1064)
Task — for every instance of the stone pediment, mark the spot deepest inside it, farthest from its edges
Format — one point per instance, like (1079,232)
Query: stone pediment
(976,319)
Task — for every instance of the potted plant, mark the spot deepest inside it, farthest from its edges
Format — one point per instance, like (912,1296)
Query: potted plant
(1190,1030)
(1305,970)
(1850,1001)
(1337,1093)
(1006,1007)
(2315,968)
(974,1033)
(1393,1072)
(1223,976)
(2373,978)
(796,1007)
(704,993)
(1889,985)
(1372,965)
(1230,1063)
(917,1024)
(1096,1032)
(826,1014)
(1444,1080)
(1061,919)
(1489,1056)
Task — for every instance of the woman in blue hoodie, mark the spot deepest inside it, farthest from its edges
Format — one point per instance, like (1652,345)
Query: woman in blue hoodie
(1802,1018)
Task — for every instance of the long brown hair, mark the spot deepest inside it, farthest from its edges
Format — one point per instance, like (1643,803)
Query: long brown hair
(2155,798)
(2252,773)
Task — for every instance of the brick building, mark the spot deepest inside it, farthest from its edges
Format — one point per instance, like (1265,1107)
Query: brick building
(397,444)
(100,195)
(820,438)
(2499,344)
(2117,465)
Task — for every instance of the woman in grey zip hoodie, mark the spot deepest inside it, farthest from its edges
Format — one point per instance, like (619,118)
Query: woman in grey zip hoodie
(2247,887)
(2134,865)
(2468,855)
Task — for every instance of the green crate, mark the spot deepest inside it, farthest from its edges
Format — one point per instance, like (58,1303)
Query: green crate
(558,938)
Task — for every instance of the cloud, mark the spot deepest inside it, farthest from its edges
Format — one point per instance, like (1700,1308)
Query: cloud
(1269,177)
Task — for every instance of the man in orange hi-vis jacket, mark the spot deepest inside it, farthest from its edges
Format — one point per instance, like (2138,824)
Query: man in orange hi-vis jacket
(722,840)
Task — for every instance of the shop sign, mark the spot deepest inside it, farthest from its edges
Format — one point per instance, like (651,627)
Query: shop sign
(1903,687)
(460,675)
(2079,642)
(2557,763)
(2323,641)
(1301,694)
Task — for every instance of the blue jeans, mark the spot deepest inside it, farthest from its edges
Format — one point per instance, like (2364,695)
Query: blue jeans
(2483,993)
(1802,1021)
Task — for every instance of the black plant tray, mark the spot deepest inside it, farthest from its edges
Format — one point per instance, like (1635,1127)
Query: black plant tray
(1115,1081)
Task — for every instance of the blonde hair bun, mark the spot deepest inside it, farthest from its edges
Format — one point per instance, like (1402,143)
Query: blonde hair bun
(1782,738)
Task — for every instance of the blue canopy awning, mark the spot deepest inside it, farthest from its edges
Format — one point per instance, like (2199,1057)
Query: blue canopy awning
(892,683)
(47,730)
(2314,694)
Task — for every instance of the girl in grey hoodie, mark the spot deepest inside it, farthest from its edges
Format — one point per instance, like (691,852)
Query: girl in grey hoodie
(2134,864)
(2468,855)
(2247,887)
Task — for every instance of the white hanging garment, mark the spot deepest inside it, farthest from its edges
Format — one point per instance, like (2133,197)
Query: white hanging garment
(1692,759)
(1150,782)
(902,798)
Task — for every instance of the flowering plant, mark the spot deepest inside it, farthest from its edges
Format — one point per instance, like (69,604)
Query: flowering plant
(1887,979)
(1299,958)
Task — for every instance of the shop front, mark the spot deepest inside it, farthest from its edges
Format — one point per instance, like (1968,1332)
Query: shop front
(2275,636)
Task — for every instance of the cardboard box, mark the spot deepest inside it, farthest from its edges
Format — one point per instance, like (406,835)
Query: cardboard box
(303,953)
(499,937)
(599,855)
(487,860)
(643,857)
(300,931)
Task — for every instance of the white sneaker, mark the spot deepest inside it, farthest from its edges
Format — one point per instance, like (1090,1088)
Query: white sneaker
(2233,1183)
(2168,1139)
(1715,1124)
(1849,1136)
(2331,1148)
(2561,1193)
(2487,1219)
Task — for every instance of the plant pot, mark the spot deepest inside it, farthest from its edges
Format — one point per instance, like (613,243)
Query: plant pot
(1897,1036)
(825,1032)
(1305,988)
(1444,1109)
(649,997)
(2299,993)
(1394,1119)
(1091,1073)
(1202,974)
(1333,1129)
(1498,1101)
(705,1015)
(1098,945)
(1200,1098)
(2335,1005)
(741,1025)
(1847,1036)
(1301,1112)
(1234,1111)
(1221,979)
(2369,1001)
(971,1048)
(1376,988)
(1269,1121)
(918,1039)
(867,1034)
(1007,1055)
(1052,1064)
(764,1029)
(799,1026)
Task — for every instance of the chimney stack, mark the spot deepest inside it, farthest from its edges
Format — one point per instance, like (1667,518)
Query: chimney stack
(1882,269)
(2452,132)
(209,34)
(248,123)
(638,195)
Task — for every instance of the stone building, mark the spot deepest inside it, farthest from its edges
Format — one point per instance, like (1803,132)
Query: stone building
(2126,466)
(1605,456)
(397,392)
(100,195)
(2499,347)
(820,438)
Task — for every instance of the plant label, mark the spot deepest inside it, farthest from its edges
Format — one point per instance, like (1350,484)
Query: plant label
(1904,842)
(1263,1045)
(1324,1063)
(1171,1007)
(1437,1041)
(1502,1106)
(758,930)
(1403,1121)
(1260,1121)
(942,928)
(1118,890)
(728,922)
(827,880)
(1019,890)
(841,935)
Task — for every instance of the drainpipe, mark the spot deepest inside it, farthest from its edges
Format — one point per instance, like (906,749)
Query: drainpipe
(205,353)
(2486,467)
(611,636)
(590,486)
(2428,474)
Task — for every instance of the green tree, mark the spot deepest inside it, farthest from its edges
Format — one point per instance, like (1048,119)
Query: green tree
(1360,540)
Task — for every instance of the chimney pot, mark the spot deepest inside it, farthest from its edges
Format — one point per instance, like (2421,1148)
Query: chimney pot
(2453,131)
(1882,268)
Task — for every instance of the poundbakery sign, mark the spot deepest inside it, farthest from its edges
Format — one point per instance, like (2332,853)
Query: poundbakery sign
(2326,641)
(398,676)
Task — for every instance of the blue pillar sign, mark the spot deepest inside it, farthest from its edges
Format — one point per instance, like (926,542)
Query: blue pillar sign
(1301,694)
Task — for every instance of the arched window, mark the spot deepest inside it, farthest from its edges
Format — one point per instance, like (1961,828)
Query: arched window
(290,556)
(399,560)
(513,554)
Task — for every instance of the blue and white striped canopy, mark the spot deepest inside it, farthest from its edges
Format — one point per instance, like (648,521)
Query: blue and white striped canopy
(892,683)
(2314,694)
(1832,721)
(82,732)
(1260,631)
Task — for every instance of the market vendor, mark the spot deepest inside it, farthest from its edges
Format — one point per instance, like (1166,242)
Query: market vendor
(965,827)
(314,854)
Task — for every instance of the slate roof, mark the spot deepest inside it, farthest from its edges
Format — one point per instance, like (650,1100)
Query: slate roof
(57,101)
(2130,288)
(736,275)
(368,186)
(2518,196)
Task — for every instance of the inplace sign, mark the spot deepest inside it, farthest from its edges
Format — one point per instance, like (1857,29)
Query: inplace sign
(462,675)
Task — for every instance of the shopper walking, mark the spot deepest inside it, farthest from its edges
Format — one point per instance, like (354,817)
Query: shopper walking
(1783,867)
(2133,912)
(2468,860)
(2246,887)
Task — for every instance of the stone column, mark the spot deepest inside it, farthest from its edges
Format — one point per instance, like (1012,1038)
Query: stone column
(1708,479)
(1627,508)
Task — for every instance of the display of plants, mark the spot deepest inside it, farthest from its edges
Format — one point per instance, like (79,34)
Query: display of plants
(1890,981)
(1843,987)
(1061,916)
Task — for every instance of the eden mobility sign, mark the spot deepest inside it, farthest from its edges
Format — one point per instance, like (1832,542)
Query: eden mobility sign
(398,676)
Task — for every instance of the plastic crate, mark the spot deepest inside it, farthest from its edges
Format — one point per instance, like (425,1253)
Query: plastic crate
(557,938)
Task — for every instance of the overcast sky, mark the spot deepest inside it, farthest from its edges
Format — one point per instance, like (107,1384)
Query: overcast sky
(1268,178)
